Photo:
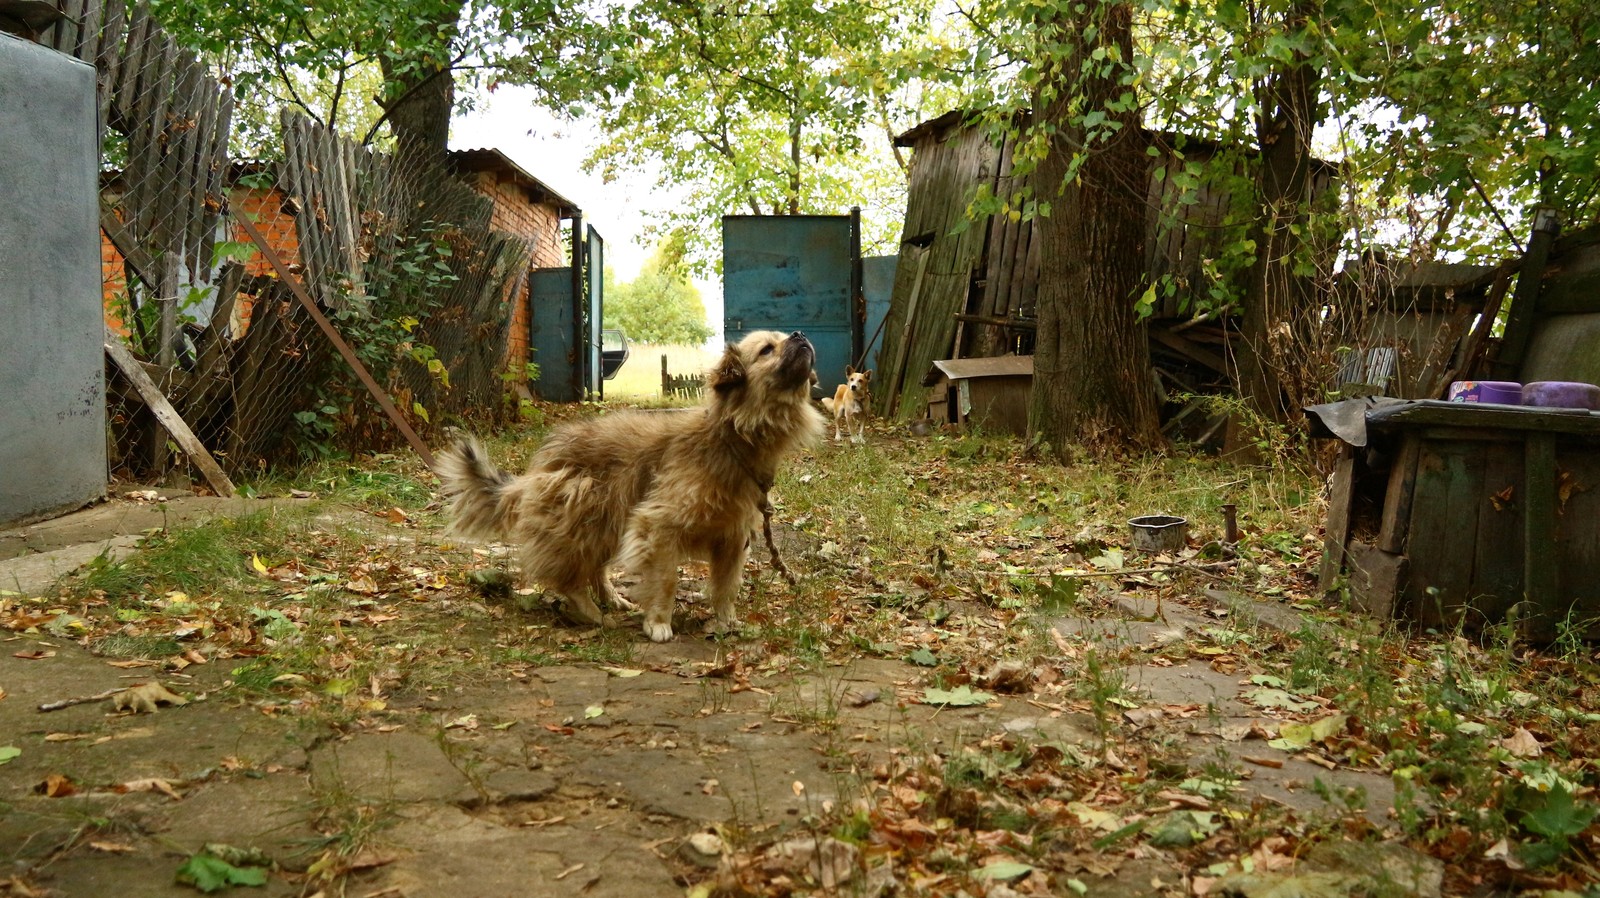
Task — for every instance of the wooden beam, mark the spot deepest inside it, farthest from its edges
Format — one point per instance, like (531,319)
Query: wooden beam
(1338,525)
(1525,301)
(167,415)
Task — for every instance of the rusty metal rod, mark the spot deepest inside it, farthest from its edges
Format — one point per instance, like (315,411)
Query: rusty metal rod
(338,341)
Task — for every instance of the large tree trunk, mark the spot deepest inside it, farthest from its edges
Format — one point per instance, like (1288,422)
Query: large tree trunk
(1276,297)
(1092,377)
(419,94)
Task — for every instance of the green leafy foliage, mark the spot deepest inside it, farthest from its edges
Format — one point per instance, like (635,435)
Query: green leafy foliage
(211,874)
(660,306)
(961,696)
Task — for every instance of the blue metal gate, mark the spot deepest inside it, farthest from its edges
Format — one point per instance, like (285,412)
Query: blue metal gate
(564,330)
(795,272)
(877,282)
(551,334)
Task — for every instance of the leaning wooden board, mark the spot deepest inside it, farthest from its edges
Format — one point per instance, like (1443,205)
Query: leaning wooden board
(167,415)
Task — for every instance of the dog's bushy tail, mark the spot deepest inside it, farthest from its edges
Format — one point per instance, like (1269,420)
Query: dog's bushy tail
(481,506)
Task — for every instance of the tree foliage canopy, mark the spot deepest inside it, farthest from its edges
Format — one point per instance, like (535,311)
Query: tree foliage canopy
(659,306)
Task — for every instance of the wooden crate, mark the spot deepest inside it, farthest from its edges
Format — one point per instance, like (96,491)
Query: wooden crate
(1464,515)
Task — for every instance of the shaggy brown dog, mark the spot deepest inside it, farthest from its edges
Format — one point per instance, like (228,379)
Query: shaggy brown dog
(648,489)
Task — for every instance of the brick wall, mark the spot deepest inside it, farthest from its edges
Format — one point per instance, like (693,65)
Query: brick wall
(514,213)
(539,224)
(266,212)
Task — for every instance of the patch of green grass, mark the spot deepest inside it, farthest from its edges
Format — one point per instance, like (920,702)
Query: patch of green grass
(190,559)
(124,645)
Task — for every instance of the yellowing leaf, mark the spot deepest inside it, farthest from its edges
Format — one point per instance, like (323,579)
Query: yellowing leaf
(255,562)
(1003,870)
(593,711)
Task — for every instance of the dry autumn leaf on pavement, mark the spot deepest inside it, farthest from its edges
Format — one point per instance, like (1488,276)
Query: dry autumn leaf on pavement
(145,697)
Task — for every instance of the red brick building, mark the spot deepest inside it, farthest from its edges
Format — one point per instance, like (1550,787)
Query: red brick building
(523,205)
(528,208)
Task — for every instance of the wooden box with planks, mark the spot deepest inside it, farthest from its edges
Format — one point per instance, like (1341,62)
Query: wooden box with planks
(1460,514)
(1463,515)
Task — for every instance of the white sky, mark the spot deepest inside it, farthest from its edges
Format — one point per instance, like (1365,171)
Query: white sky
(510,121)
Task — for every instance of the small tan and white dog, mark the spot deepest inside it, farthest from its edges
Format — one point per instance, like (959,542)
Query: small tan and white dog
(849,402)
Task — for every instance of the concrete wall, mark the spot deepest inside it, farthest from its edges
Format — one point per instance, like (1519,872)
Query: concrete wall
(52,361)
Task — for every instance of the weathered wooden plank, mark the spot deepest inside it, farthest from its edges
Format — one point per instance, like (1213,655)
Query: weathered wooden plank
(93,20)
(108,61)
(1398,496)
(1498,558)
(1377,580)
(177,163)
(1444,512)
(68,31)
(1541,575)
(124,87)
(204,205)
(1026,305)
(167,415)
(1488,417)
(1578,534)
(1525,300)
(145,145)
(1337,529)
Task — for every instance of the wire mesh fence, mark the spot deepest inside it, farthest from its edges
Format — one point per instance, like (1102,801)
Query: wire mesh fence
(390,248)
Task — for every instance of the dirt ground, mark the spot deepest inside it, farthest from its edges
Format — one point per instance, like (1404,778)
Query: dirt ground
(568,779)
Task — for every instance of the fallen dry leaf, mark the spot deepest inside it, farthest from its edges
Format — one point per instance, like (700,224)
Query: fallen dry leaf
(56,786)
(149,784)
(144,697)
(111,847)
(1522,744)
(34,654)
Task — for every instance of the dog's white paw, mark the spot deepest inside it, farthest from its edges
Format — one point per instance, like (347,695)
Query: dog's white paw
(658,632)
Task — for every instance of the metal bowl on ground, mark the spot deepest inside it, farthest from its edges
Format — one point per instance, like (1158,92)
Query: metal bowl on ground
(1155,533)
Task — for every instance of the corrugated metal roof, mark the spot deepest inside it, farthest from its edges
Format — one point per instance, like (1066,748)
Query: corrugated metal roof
(490,159)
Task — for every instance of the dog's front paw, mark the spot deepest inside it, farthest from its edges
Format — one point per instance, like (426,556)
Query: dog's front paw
(658,632)
(722,626)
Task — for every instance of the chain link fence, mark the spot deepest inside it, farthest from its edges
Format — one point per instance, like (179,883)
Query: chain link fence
(391,249)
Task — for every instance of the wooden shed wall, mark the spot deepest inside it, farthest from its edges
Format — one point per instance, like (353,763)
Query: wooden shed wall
(998,258)
(948,166)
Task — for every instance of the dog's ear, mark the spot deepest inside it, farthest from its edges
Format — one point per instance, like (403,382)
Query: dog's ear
(866,375)
(849,372)
(727,373)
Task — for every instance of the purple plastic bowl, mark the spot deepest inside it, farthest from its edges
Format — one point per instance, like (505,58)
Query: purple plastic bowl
(1561,394)
(1502,391)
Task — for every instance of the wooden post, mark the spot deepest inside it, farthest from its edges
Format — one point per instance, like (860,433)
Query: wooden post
(666,380)
(167,415)
(1525,301)
(1338,526)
